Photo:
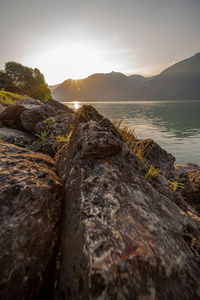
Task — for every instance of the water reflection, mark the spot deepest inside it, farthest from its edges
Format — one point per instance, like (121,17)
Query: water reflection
(174,125)
(76,104)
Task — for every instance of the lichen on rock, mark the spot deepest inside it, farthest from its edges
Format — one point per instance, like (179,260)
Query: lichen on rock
(123,236)
(30,211)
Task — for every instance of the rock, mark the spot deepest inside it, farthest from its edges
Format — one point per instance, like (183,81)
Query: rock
(15,136)
(54,128)
(122,237)
(189,176)
(11,116)
(30,209)
(31,117)
(2,108)
(29,103)
(159,157)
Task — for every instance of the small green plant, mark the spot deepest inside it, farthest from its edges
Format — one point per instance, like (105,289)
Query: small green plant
(26,146)
(11,124)
(174,185)
(65,138)
(152,171)
(48,123)
(42,136)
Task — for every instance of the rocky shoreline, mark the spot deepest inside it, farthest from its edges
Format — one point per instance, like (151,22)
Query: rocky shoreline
(84,217)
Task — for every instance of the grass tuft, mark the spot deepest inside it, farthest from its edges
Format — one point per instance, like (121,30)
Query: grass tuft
(174,185)
(141,148)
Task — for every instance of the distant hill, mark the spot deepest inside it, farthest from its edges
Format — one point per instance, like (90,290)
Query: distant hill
(112,86)
(53,87)
(178,82)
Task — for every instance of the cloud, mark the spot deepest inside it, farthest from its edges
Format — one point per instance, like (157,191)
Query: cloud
(138,34)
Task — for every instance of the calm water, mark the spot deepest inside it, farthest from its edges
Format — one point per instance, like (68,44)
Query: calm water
(175,126)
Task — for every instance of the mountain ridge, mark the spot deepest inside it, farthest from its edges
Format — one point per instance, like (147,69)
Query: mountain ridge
(181,81)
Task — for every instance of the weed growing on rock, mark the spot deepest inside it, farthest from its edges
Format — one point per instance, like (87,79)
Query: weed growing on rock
(49,123)
(41,136)
(139,148)
(85,114)
(26,146)
(152,171)
(174,185)
(65,138)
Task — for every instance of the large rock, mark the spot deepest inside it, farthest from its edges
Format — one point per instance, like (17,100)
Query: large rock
(55,128)
(16,137)
(30,208)
(10,116)
(29,103)
(189,176)
(123,237)
(31,117)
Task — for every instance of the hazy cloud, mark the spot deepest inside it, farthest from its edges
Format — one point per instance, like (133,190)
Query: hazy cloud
(144,35)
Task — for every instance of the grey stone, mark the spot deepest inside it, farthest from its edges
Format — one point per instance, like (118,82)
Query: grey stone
(29,103)
(15,136)
(10,116)
(30,210)
(31,117)
(189,176)
(54,129)
(124,236)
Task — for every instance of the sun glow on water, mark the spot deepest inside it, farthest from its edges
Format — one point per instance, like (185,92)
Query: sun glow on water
(76,104)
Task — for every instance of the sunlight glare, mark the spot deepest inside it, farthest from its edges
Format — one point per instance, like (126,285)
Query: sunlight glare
(76,60)
(76,104)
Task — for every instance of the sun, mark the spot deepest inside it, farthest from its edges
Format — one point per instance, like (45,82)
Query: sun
(76,104)
(75,60)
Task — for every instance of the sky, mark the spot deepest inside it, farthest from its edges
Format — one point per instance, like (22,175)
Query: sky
(74,39)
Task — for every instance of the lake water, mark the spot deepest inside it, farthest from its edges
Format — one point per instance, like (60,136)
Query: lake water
(175,126)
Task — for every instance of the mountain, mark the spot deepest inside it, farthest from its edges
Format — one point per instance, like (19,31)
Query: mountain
(112,86)
(53,87)
(181,81)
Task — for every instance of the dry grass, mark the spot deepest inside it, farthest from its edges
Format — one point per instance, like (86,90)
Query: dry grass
(140,148)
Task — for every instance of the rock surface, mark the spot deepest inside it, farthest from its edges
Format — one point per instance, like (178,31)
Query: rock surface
(2,108)
(10,116)
(16,137)
(123,236)
(31,117)
(29,103)
(157,156)
(30,209)
(54,128)
(189,176)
